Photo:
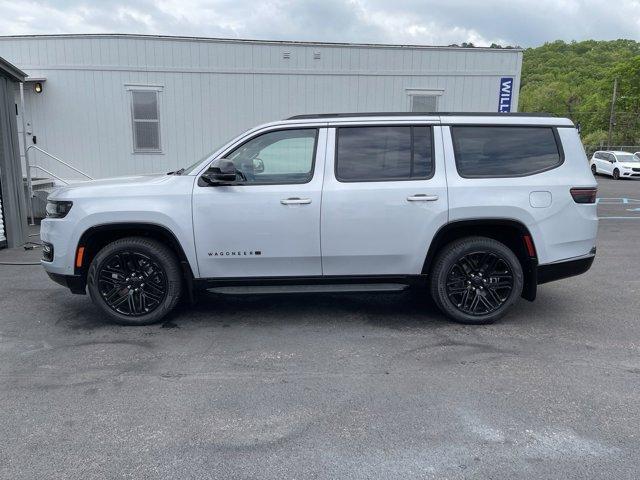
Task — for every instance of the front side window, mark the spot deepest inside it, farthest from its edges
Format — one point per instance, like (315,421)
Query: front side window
(489,151)
(146,121)
(368,154)
(279,157)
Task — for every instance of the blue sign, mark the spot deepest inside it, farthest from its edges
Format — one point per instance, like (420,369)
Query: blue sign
(506,92)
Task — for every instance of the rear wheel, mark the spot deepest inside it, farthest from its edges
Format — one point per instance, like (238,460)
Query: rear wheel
(135,281)
(594,170)
(476,280)
(616,174)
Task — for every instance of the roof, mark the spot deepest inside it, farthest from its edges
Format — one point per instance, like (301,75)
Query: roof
(263,42)
(11,71)
(417,114)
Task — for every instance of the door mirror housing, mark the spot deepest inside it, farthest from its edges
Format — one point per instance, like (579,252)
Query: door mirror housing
(221,172)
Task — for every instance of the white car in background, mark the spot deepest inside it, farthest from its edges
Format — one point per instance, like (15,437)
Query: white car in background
(617,164)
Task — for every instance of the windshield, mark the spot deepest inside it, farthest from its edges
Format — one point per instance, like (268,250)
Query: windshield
(193,166)
(627,157)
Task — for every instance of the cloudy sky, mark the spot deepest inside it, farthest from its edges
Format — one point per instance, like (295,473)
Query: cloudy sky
(428,22)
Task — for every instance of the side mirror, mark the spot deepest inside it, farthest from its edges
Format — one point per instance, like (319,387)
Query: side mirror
(221,172)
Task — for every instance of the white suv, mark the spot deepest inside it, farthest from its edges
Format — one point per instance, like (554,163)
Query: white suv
(617,164)
(474,209)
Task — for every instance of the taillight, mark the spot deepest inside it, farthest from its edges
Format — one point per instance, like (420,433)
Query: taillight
(584,195)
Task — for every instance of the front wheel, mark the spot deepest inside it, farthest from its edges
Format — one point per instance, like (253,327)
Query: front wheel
(616,174)
(135,281)
(594,170)
(476,280)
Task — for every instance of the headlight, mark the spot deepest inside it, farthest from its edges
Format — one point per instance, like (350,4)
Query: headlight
(58,209)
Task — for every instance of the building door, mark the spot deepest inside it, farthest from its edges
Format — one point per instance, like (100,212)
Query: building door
(268,224)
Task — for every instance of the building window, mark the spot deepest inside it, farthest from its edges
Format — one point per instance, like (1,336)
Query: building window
(424,103)
(424,99)
(146,121)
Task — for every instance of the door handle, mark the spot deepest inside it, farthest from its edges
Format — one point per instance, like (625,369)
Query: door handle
(295,201)
(422,197)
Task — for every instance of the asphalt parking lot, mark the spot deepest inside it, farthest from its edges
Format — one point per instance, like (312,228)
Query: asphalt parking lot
(330,386)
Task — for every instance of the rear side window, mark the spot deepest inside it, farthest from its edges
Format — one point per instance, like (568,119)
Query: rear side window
(369,154)
(504,151)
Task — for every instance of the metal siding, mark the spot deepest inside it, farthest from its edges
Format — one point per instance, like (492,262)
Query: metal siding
(214,90)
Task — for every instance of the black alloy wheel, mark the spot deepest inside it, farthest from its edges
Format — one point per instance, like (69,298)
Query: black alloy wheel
(135,281)
(476,280)
(132,283)
(479,283)
(616,174)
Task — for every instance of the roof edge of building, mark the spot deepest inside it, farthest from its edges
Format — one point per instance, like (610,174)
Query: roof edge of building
(12,71)
(259,42)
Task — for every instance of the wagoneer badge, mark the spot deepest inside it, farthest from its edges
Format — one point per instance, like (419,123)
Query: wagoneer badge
(243,253)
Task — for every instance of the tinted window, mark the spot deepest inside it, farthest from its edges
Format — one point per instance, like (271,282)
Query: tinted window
(283,156)
(384,153)
(504,151)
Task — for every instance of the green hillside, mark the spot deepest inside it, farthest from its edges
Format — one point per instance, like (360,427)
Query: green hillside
(576,80)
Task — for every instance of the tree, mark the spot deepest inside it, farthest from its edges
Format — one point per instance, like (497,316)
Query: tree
(576,79)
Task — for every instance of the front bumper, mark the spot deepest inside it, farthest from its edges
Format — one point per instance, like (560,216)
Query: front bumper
(75,283)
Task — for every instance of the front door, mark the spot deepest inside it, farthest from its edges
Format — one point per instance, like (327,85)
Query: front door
(269,224)
(384,198)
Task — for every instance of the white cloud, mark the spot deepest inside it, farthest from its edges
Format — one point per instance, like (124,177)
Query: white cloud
(434,22)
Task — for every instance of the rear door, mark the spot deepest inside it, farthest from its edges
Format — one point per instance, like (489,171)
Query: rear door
(384,198)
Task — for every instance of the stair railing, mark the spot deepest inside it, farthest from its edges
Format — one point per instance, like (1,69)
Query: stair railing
(30,166)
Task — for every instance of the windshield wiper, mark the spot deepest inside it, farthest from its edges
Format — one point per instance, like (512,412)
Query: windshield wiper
(177,172)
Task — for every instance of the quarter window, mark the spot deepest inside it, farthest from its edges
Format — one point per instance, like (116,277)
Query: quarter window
(146,121)
(279,157)
(368,154)
(504,151)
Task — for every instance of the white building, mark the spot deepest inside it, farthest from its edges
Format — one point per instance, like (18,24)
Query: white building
(114,105)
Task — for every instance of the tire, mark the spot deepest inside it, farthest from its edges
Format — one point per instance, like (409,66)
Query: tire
(135,281)
(486,288)
(616,174)
(594,170)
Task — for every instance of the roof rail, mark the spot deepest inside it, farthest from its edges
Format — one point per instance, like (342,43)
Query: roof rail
(416,114)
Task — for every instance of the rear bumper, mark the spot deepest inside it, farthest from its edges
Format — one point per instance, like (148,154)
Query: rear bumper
(564,269)
(75,283)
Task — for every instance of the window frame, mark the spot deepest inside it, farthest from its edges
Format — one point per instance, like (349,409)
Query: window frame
(428,126)
(438,93)
(259,134)
(553,129)
(133,89)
